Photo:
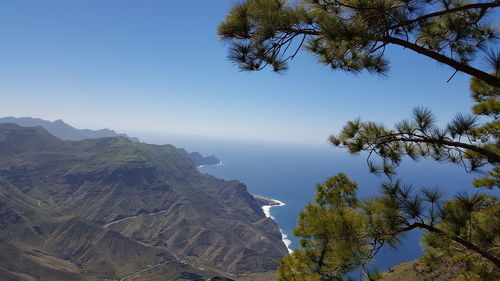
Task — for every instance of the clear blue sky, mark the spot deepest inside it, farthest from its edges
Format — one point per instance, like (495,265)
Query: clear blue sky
(156,66)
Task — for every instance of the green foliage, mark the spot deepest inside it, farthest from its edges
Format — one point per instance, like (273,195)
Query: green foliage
(464,141)
(342,234)
(488,104)
(352,35)
(486,97)
(333,244)
(475,218)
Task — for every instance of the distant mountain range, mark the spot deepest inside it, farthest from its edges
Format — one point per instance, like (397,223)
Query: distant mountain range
(109,208)
(64,131)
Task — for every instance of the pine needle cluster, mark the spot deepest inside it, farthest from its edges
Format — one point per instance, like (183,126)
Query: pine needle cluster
(352,35)
(465,140)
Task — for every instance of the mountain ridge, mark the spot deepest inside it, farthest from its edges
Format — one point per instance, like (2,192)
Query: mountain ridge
(64,131)
(68,191)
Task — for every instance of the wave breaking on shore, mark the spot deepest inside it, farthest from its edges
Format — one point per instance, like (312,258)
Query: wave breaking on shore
(219,164)
(267,211)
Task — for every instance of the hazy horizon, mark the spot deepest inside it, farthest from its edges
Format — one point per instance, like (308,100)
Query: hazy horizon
(157,67)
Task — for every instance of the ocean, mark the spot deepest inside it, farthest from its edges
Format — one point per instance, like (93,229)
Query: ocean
(290,172)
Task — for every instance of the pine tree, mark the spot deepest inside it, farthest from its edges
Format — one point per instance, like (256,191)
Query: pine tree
(342,234)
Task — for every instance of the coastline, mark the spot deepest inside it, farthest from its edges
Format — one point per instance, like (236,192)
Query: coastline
(266,205)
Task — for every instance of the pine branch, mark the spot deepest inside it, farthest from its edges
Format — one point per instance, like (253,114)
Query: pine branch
(492,157)
(463,67)
(483,6)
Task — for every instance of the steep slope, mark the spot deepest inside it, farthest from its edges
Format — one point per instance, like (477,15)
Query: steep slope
(112,207)
(35,241)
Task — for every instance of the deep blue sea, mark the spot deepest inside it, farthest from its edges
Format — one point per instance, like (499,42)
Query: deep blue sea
(289,173)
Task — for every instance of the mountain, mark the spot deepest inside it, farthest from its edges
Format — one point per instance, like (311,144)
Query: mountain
(111,207)
(64,131)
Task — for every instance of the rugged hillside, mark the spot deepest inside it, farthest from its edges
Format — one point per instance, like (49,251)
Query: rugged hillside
(110,207)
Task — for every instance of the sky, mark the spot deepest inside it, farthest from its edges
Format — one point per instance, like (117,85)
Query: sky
(157,67)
